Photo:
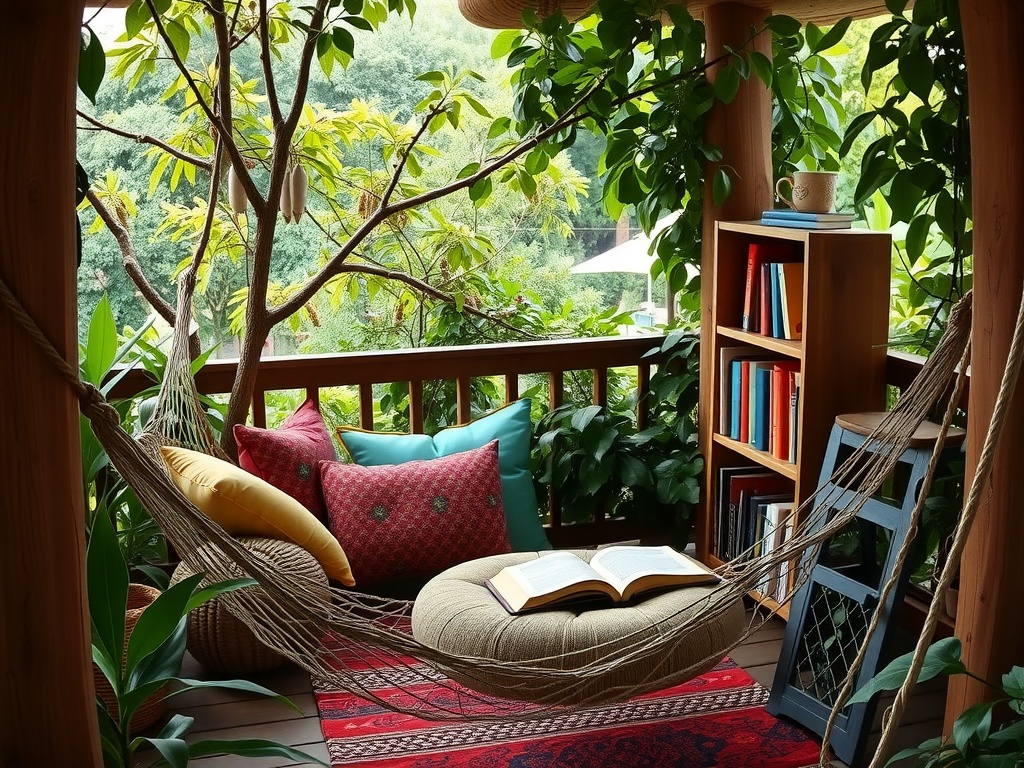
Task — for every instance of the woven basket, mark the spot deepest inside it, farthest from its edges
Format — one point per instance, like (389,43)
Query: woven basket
(153,708)
(224,643)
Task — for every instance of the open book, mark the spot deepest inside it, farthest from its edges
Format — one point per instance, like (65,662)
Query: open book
(618,572)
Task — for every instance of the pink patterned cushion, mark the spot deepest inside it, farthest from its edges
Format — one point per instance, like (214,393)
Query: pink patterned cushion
(288,458)
(407,521)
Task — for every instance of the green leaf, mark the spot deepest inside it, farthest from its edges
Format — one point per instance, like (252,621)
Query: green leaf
(206,594)
(179,38)
(175,752)
(1013,683)
(762,67)
(727,83)
(876,171)
(917,236)
(108,588)
(784,26)
(135,18)
(721,186)
(582,418)
(481,190)
(159,620)
(92,64)
(250,748)
(633,472)
(916,68)
(974,724)
(245,686)
(101,343)
(833,36)
(942,658)
(343,40)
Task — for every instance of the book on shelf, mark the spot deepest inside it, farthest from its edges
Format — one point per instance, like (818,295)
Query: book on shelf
(791,298)
(736,484)
(753,509)
(774,522)
(757,255)
(781,402)
(790,215)
(727,372)
(760,399)
(794,412)
(794,224)
(617,573)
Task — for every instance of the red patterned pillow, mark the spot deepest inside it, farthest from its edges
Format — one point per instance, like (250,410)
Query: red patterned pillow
(289,457)
(408,521)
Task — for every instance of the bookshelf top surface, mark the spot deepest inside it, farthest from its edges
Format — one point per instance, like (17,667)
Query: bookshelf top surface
(792,233)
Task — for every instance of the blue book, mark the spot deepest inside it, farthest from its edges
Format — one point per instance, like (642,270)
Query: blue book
(776,296)
(760,407)
(735,397)
(788,213)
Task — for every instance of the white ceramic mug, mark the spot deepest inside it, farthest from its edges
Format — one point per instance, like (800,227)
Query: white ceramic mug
(811,191)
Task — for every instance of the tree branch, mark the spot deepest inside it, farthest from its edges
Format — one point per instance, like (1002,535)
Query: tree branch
(130,259)
(268,72)
(142,138)
(224,129)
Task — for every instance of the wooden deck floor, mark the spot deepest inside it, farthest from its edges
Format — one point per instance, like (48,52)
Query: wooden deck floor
(226,715)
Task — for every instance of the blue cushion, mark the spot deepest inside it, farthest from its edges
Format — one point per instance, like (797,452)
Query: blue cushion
(510,426)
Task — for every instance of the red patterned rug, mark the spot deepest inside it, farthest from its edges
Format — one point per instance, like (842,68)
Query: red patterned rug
(716,720)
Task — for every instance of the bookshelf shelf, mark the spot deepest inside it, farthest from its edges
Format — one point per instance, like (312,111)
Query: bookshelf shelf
(840,358)
(763,458)
(782,346)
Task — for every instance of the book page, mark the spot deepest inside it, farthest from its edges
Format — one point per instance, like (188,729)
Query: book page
(550,573)
(624,564)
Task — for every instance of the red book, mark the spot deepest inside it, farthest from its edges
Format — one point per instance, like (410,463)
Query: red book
(766,300)
(778,443)
(758,254)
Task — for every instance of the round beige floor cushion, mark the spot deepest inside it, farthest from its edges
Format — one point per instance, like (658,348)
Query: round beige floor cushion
(457,614)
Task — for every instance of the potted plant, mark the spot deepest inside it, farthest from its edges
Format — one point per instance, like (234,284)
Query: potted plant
(145,661)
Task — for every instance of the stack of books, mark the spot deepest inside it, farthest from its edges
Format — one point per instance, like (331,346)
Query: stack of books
(789,218)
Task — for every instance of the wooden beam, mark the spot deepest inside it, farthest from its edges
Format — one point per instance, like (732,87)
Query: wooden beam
(742,129)
(45,649)
(992,569)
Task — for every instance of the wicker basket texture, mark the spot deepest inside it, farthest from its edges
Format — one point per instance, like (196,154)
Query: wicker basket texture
(221,642)
(153,708)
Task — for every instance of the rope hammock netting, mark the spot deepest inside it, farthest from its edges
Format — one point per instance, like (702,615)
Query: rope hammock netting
(294,615)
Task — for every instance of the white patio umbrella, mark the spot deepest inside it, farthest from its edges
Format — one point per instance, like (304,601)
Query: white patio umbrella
(632,256)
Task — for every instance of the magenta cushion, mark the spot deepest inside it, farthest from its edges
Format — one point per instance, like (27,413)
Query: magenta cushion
(398,522)
(289,457)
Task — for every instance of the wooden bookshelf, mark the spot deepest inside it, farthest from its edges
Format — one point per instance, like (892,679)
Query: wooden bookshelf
(841,353)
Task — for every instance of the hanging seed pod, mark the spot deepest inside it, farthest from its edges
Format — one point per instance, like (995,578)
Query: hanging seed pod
(299,183)
(236,193)
(286,198)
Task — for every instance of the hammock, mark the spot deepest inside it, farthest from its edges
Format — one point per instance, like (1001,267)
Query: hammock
(293,617)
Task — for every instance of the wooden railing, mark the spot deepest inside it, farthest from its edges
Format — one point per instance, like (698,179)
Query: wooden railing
(554,359)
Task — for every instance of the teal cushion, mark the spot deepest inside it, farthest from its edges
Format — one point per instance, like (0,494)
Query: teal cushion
(510,426)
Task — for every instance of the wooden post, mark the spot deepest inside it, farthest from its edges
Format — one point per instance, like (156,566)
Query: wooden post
(742,129)
(45,658)
(992,570)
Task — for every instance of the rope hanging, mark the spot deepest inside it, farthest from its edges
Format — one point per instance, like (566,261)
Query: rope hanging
(293,617)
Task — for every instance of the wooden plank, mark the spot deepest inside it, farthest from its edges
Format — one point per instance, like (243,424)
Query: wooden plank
(464,399)
(416,406)
(992,569)
(45,651)
(601,387)
(365,405)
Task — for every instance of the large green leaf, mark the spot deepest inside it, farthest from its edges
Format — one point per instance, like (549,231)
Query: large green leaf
(942,658)
(101,343)
(973,725)
(157,623)
(250,748)
(173,752)
(108,588)
(584,416)
(232,685)
(92,64)
(205,594)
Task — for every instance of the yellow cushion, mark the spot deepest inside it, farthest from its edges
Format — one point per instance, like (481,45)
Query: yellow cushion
(244,505)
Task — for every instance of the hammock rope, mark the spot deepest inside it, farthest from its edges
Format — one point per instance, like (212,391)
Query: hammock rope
(293,615)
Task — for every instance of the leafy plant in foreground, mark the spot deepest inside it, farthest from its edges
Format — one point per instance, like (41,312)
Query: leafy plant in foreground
(974,741)
(148,660)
